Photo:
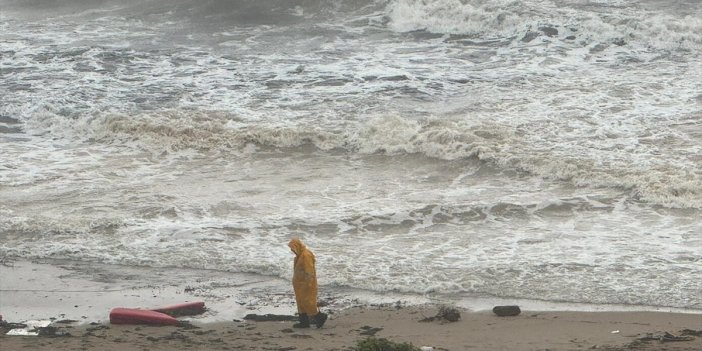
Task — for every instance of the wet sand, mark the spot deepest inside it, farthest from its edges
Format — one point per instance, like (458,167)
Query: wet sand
(43,291)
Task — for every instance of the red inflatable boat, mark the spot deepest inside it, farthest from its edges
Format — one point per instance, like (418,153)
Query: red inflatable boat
(136,316)
(156,316)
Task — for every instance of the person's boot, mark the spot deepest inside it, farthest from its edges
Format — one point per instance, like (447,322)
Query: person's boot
(304,321)
(319,319)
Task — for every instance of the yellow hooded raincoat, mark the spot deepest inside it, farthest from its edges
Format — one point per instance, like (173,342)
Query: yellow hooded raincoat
(304,278)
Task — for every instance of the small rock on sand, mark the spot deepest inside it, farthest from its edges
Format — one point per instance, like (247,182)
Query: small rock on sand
(506,311)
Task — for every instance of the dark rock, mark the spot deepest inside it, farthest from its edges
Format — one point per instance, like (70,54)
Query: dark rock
(506,311)
(570,37)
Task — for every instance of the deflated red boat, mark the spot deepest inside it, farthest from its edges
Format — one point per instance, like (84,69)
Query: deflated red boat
(155,316)
(121,315)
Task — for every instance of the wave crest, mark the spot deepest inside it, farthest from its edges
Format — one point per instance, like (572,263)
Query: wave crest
(445,139)
(524,20)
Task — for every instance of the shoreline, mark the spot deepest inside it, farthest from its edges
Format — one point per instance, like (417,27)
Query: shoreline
(92,289)
(84,293)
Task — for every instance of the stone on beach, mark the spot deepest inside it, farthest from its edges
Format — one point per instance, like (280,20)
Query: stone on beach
(506,311)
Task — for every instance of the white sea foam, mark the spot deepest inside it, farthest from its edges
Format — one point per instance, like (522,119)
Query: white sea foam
(615,261)
(514,19)
(627,158)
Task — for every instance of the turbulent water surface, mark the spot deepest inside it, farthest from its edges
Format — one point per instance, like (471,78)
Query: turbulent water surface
(539,149)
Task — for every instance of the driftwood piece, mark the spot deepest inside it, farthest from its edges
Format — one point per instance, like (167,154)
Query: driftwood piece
(691,332)
(666,337)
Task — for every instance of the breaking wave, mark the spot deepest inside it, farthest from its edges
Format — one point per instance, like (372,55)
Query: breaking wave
(524,20)
(643,170)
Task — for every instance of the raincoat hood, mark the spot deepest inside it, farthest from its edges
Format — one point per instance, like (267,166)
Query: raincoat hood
(296,246)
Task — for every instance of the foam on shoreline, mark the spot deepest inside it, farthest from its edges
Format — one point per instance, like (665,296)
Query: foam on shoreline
(86,292)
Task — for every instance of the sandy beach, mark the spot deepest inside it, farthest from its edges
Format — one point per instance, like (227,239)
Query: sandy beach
(78,305)
(475,331)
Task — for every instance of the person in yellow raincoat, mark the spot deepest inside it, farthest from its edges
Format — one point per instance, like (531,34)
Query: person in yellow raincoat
(305,285)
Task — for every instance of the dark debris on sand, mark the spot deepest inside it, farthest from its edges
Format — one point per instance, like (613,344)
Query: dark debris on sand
(50,331)
(650,339)
(269,318)
(445,314)
(368,330)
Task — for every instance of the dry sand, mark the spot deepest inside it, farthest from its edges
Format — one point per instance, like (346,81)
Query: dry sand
(27,290)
